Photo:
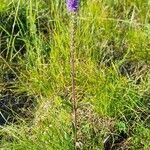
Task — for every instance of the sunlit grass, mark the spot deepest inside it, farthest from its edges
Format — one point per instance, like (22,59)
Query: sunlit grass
(34,45)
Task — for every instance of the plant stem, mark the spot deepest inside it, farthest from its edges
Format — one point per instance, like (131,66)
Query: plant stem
(73,76)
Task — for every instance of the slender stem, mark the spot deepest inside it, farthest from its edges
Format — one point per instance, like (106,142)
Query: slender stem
(73,76)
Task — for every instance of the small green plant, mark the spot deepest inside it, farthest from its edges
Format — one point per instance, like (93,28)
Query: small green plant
(121,126)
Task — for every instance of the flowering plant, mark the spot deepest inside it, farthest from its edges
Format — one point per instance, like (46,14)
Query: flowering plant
(72,5)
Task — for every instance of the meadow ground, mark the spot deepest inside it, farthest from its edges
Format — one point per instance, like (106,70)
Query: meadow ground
(112,75)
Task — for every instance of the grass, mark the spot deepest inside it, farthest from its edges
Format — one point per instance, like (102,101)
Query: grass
(112,66)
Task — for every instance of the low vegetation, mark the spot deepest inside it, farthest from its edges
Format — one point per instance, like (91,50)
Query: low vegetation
(112,75)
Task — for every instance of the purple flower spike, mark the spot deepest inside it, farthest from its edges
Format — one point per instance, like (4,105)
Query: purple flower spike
(72,5)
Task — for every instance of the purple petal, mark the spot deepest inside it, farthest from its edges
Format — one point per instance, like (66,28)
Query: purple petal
(72,5)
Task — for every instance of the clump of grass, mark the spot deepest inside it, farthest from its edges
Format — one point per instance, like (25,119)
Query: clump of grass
(111,35)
